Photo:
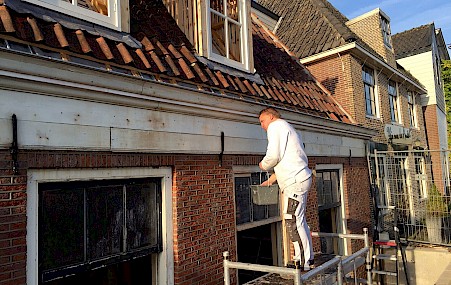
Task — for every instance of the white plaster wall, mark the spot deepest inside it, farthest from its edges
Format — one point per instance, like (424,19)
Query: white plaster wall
(422,67)
(60,106)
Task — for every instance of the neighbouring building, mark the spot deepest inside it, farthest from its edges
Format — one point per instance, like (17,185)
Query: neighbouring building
(130,138)
(355,60)
(421,51)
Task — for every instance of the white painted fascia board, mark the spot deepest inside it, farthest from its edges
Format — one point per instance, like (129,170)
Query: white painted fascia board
(39,76)
(328,53)
(351,47)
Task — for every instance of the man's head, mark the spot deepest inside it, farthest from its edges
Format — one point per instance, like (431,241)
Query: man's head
(268,116)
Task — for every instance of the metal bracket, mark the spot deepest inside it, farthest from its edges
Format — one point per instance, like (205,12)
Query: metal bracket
(14,149)
(222,149)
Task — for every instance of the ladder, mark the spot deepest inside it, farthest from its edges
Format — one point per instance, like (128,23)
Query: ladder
(386,250)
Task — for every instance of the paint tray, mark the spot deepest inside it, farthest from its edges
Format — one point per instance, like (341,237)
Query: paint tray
(265,195)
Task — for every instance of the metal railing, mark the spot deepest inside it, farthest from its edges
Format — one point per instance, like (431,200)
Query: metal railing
(334,271)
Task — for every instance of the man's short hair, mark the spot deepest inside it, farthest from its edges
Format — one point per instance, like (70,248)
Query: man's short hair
(271,111)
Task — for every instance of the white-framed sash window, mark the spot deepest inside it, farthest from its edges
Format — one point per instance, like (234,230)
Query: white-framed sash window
(102,12)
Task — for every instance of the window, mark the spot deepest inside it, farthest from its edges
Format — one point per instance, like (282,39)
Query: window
(102,12)
(412,113)
(228,28)
(97,224)
(246,210)
(394,103)
(437,70)
(328,187)
(369,86)
(386,33)
(420,175)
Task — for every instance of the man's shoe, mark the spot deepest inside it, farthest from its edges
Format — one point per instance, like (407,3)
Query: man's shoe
(293,263)
(310,265)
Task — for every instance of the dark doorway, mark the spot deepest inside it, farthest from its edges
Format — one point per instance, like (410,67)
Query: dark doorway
(254,246)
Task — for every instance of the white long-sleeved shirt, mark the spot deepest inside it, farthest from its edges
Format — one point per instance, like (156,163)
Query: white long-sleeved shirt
(285,152)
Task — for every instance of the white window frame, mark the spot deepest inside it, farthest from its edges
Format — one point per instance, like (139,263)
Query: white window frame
(245,34)
(344,243)
(164,269)
(276,222)
(412,109)
(112,21)
(394,103)
(374,92)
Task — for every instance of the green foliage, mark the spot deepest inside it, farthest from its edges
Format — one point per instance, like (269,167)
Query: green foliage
(435,205)
(446,76)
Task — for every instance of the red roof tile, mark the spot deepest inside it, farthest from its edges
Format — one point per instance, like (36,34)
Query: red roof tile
(166,51)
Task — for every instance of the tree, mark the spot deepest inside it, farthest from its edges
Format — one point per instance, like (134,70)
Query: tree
(446,76)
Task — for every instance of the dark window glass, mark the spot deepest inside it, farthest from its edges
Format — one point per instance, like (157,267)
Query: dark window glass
(246,210)
(88,225)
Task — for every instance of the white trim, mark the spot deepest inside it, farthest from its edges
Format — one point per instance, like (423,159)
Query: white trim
(165,270)
(342,226)
(112,20)
(84,84)
(244,38)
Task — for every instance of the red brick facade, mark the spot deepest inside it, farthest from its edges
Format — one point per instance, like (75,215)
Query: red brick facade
(203,205)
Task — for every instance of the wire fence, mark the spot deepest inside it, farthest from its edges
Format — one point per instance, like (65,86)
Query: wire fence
(417,184)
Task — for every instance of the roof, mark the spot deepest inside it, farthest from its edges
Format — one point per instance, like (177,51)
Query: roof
(165,54)
(414,41)
(309,27)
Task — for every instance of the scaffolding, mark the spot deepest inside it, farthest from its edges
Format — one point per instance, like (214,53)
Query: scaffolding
(338,270)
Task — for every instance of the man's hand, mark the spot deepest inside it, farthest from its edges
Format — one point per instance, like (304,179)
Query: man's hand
(266,183)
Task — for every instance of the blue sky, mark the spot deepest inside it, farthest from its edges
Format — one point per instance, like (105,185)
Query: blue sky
(403,14)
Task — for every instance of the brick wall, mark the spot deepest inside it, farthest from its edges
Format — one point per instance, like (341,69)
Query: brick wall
(369,30)
(203,206)
(430,114)
(342,76)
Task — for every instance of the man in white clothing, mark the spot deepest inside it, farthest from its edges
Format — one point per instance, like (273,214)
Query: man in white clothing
(285,153)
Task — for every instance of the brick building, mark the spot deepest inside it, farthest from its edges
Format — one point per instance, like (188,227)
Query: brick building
(421,51)
(355,60)
(129,143)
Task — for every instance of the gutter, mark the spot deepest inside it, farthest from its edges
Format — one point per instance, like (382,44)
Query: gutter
(354,46)
(136,92)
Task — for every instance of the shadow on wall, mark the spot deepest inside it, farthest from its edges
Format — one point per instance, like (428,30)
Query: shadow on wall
(331,84)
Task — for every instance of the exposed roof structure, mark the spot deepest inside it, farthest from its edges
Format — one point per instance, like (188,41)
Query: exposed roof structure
(414,41)
(162,52)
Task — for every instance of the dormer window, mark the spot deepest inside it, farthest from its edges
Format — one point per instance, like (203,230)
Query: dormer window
(106,13)
(218,29)
(228,37)
(386,33)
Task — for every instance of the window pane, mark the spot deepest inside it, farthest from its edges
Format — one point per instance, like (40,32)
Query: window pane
(233,9)
(142,216)
(61,223)
(217,5)
(235,42)
(218,34)
(243,200)
(99,6)
(105,218)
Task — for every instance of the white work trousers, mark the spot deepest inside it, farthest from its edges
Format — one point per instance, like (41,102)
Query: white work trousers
(299,192)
